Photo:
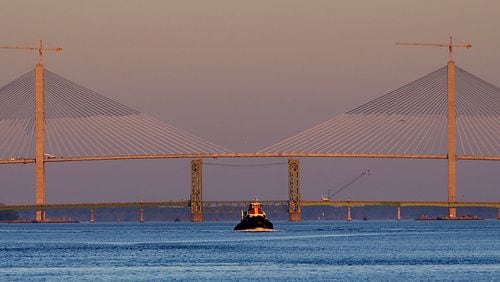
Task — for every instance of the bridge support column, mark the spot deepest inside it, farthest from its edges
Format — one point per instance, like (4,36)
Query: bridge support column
(39,141)
(196,191)
(349,217)
(498,214)
(452,192)
(91,215)
(141,215)
(294,209)
(398,216)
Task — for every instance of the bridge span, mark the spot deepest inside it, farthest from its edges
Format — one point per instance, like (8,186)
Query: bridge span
(212,206)
(449,114)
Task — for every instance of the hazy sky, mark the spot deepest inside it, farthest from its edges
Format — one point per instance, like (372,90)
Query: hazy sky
(244,75)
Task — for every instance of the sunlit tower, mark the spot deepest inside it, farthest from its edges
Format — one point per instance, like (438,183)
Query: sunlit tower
(39,125)
(452,103)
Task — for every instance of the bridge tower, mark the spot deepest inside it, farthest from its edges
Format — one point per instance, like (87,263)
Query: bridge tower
(294,209)
(39,125)
(40,140)
(452,147)
(452,113)
(196,191)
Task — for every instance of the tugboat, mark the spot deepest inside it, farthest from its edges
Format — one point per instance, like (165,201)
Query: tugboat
(254,219)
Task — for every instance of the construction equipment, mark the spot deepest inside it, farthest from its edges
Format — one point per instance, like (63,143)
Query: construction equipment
(39,48)
(450,45)
(330,195)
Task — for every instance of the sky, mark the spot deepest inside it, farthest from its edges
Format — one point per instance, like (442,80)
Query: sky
(245,75)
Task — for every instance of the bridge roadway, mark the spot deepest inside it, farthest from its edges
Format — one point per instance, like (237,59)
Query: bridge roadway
(216,156)
(221,204)
(244,155)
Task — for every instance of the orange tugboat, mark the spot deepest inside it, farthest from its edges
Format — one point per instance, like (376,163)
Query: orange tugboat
(254,219)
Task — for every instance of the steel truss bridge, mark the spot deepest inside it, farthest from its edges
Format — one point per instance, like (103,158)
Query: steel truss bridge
(242,203)
(222,206)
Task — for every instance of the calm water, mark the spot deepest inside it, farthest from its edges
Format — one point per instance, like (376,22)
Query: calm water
(321,250)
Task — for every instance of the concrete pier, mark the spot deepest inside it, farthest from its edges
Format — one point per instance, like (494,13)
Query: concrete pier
(91,215)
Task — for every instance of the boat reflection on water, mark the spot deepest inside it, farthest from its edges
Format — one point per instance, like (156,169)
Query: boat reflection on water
(254,219)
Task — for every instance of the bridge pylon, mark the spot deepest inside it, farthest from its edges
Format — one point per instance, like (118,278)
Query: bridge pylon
(452,113)
(39,125)
(196,191)
(452,155)
(294,209)
(40,141)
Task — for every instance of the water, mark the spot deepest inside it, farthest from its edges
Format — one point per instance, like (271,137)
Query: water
(315,250)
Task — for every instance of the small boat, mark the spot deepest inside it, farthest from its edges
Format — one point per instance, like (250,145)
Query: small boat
(254,219)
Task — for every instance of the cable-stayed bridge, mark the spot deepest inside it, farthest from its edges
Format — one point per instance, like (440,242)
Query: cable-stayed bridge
(448,114)
(82,123)
(411,121)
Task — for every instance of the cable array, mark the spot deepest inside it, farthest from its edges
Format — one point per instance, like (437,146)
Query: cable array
(82,123)
(478,116)
(411,120)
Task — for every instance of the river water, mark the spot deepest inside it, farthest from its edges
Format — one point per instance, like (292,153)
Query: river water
(313,250)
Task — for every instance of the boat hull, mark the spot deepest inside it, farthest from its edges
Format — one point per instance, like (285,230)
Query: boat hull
(255,223)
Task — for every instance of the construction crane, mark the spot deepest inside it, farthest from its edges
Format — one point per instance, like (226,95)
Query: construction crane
(330,195)
(450,46)
(40,49)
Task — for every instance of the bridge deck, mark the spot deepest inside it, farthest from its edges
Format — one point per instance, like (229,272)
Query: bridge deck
(214,204)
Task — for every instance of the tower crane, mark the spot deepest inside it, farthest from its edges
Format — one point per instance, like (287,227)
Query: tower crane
(345,186)
(450,46)
(40,50)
